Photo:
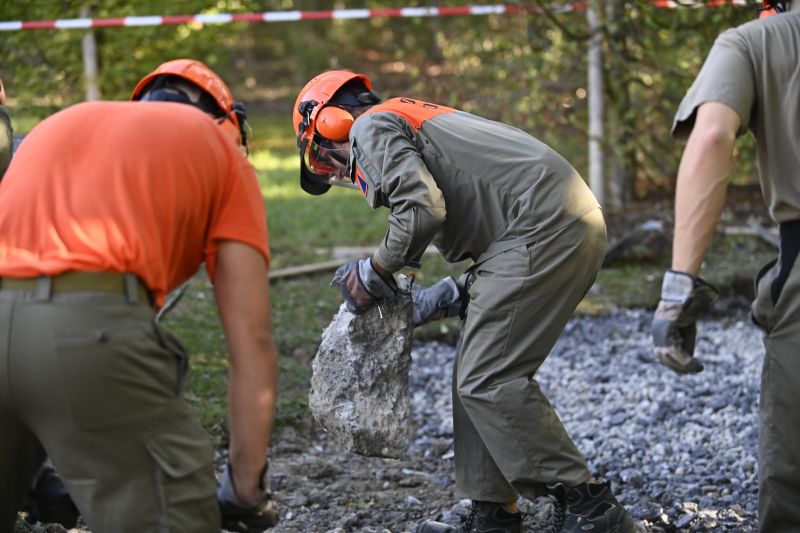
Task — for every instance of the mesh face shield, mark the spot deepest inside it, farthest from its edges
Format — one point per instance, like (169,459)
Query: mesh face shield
(322,157)
(317,169)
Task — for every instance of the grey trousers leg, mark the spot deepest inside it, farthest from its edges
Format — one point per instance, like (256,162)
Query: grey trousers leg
(93,381)
(508,439)
(779,404)
(20,451)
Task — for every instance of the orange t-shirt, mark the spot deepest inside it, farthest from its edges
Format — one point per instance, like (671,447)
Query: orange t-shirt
(143,187)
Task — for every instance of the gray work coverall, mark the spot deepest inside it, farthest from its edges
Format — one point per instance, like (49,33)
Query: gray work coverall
(486,191)
(755,70)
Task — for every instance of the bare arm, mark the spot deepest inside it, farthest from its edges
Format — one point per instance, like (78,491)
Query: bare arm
(242,292)
(702,184)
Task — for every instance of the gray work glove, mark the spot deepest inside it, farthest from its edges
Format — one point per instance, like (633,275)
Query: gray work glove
(440,300)
(242,517)
(674,329)
(362,286)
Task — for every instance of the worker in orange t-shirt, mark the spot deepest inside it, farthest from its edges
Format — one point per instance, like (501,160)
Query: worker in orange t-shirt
(106,208)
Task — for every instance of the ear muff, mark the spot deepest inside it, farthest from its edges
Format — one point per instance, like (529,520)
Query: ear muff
(334,123)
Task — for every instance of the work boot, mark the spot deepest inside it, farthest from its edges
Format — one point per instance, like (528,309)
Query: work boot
(49,502)
(589,507)
(485,517)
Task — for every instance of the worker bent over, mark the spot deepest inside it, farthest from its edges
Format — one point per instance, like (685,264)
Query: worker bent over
(488,192)
(106,208)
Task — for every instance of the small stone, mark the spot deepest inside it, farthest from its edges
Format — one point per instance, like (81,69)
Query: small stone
(685,520)
(411,501)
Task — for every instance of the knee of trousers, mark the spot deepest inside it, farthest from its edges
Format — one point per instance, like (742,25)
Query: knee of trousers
(477,393)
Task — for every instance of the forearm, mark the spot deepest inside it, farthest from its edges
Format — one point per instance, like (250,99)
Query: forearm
(242,291)
(702,185)
(252,395)
(410,232)
(697,209)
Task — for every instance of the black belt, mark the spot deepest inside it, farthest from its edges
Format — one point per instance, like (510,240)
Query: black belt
(790,247)
(125,284)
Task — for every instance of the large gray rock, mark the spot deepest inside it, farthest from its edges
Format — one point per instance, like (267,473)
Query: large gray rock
(359,386)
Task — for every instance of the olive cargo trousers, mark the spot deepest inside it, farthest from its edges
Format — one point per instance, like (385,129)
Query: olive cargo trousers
(508,439)
(776,309)
(90,380)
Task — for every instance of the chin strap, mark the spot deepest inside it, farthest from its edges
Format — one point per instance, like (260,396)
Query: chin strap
(244,127)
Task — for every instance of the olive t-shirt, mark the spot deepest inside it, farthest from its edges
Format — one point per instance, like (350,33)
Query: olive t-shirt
(755,69)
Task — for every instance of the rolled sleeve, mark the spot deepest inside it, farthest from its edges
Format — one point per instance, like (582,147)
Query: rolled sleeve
(239,214)
(727,77)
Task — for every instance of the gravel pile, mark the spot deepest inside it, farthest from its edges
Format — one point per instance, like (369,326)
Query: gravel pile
(680,451)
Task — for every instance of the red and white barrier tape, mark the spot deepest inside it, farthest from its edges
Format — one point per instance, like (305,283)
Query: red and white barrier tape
(290,16)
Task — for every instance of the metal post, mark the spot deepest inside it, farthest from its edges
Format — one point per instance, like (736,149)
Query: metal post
(89,47)
(595,102)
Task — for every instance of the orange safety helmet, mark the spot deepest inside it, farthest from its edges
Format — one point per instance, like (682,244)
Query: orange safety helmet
(769,8)
(319,116)
(216,98)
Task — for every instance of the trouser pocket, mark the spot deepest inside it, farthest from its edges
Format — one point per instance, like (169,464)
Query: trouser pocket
(772,279)
(185,479)
(113,375)
(790,246)
(762,306)
(171,343)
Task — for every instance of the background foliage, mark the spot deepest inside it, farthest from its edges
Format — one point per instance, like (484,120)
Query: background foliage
(525,69)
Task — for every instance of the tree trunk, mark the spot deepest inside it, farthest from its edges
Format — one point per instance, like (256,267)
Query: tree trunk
(622,125)
(89,47)
(595,101)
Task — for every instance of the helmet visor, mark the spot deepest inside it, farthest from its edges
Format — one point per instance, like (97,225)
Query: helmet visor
(323,158)
(317,169)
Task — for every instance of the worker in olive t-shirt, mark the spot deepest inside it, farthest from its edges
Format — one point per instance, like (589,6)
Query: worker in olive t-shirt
(749,81)
(481,190)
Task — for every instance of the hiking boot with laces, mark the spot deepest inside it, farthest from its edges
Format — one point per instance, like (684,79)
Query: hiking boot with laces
(589,507)
(485,517)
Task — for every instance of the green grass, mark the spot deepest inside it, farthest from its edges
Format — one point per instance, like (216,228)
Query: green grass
(303,229)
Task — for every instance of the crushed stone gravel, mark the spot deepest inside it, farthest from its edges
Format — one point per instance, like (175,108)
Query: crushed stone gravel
(680,451)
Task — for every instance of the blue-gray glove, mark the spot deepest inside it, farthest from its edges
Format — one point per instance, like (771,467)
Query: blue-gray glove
(243,517)
(674,329)
(362,286)
(440,300)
